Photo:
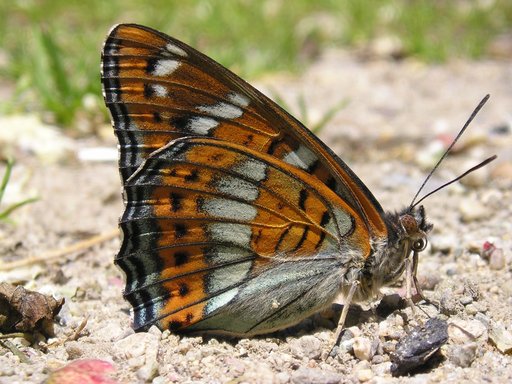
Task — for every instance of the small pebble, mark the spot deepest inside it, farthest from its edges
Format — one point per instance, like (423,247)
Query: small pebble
(502,172)
(492,198)
(465,300)
(391,328)
(443,242)
(472,210)
(306,346)
(462,355)
(388,347)
(382,368)
(364,375)
(315,375)
(282,377)
(501,338)
(471,309)
(74,350)
(474,179)
(159,380)
(362,348)
(141,350)
(497,260)
(449,305)
(466,331)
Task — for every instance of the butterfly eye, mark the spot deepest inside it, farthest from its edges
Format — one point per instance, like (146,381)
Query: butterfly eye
(419,245)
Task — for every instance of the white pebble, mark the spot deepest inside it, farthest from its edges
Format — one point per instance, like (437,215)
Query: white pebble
(362,348)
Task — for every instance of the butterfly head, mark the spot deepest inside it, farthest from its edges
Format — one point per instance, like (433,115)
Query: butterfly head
(414,228)
(407,234)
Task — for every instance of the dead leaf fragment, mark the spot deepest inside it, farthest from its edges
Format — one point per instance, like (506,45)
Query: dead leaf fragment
(22,310)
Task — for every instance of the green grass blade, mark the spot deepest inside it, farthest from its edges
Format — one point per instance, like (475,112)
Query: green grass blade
(5,179)
(4,215)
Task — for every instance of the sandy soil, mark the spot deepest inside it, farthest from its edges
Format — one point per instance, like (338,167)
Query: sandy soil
(398,117)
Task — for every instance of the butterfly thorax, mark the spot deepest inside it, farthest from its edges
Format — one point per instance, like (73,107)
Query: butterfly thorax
(407,232)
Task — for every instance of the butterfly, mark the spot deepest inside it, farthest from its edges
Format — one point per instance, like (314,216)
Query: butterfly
(238,220)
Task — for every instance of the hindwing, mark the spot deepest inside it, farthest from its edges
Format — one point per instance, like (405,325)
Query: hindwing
(212,228)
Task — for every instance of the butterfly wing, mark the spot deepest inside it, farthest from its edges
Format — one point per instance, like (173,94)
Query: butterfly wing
(214,240)
(220,237)
(159,89)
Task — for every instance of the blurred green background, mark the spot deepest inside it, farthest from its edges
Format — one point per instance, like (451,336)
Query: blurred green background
(50,56)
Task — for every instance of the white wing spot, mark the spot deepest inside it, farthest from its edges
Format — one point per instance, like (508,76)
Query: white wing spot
(252,169)
(201,125)
(226,276)
(176,50)
(222,110)
(222,254)
(229,209)
(237,187)
(302,158)
(220,300)
(238,234)
(159,90)
(165,67)
(238,99)
(344,221)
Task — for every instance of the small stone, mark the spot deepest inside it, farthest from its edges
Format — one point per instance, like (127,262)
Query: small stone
(137,344)
(474,179)
(483,319)
(389,347)
(362,348)
(501,338)
(472,210)
(471,289)
(462,355)
(502,172)
(351,333)
(74,350)
(384,328)
(147,372)
(471,309)
(282,378)
(391,328)
(316,376)
(306,346)
(364,375)
(480,306)
(154,330)
(159,380)
(492,198)
(443,242)
(377,359)
(449,305)
(497,260)
(345,346)
(465,300)
(141,350)
(382,369)
(466,331)
(112,331)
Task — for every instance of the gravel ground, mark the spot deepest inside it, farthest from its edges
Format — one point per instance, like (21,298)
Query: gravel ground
(398,118)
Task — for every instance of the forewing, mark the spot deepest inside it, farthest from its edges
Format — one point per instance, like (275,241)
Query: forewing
(221,237)
(159,89)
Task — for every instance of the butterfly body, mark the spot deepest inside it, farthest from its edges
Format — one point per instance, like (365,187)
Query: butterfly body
(237,219)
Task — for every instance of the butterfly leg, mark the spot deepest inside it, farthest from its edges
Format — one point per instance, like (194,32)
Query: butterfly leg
(343,317)
(410,280)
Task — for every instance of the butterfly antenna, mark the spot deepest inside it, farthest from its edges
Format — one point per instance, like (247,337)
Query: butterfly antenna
(478,166)
(475,112)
